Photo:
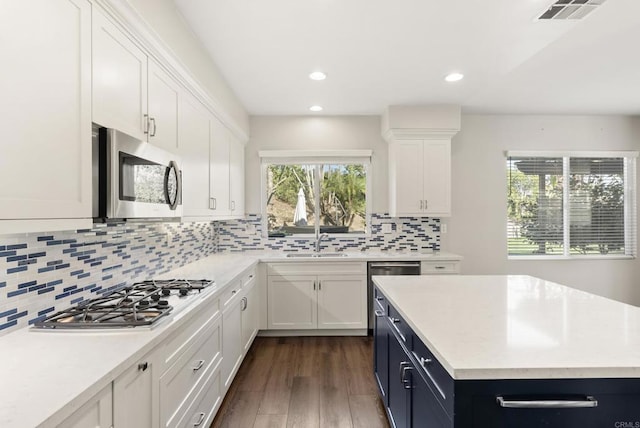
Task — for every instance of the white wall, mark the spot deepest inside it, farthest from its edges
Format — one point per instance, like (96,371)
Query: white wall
(477,229)
(315,132)
(166,20)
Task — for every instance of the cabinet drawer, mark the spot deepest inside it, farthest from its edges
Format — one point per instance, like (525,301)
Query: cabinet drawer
(249,279)
(317,268)
(435,375)
(444,267)
(399,325)
(181,341)
(179,383)
(231,293)
(203,408)
(380,302)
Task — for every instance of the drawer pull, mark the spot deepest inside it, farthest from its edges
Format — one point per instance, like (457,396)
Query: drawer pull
(589,401)
(424,362)
(378,313)
(440,267)
(379,298)
(200,419)
(199,365)
(395,327)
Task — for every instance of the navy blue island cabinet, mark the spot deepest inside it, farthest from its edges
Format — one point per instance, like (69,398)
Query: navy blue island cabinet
(418,392)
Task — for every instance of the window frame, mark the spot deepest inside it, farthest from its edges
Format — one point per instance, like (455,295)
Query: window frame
(630,207)
(316,158)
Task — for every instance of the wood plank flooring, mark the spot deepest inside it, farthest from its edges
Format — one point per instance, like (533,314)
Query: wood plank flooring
(306,382)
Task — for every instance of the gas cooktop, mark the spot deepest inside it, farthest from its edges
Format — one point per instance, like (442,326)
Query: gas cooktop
(141,304)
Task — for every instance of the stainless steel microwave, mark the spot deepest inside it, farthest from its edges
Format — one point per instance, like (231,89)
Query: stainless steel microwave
(133,179)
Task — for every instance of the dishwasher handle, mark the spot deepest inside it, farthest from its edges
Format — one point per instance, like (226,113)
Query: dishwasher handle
(393,265)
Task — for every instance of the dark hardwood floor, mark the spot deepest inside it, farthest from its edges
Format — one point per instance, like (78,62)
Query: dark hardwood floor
(304,382)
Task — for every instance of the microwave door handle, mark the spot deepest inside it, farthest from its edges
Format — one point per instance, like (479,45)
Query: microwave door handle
(173,166)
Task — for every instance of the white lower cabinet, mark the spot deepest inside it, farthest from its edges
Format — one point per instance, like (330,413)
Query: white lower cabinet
(232,335)
(132,395)
(95,413)
(316,295)
(250,313)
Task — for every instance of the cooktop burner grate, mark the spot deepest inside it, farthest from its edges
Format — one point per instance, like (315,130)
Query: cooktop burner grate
(140,304)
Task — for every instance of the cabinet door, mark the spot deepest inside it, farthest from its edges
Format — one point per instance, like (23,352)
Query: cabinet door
(408,177)
(96,413)
(426,411)
(398,396)
(132,391)
(194,150)
(381,351)
(292,302)
(342,301)
(250,313)
(231,342)
(164,93)
(119,80)
(437,178)
(219,175)
(236,177)
(45,154)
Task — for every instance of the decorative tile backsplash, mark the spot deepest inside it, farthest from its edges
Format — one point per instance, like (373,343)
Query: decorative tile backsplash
(42,273)
(47,272)
(419,234)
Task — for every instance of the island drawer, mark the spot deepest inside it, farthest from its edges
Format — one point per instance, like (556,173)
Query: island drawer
(441,384)
(440,267)
(398,324)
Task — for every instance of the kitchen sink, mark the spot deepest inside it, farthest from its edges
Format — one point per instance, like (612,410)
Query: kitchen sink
(320,255)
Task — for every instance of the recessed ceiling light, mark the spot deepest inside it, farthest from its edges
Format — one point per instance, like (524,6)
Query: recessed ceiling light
(318,75)
(315,108)
(454,77)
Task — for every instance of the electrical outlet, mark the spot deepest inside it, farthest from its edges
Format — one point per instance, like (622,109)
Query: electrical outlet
(169,237)
(443,228)
(386,227)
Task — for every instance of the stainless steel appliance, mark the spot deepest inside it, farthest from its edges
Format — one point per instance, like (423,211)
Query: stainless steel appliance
(141,304)
(133,179)
(387,268)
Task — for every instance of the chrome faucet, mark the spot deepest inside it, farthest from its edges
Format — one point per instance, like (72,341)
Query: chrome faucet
(319,239)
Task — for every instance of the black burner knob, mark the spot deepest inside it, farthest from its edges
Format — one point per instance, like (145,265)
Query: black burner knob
(166,291)
(184,291)
(162,304)
(143,303)
(155,297)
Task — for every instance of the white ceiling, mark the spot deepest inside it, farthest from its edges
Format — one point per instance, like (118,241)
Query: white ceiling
(397,52)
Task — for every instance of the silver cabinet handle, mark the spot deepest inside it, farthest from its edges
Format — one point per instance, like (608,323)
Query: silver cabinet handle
(233,205)
(378,313)
(244,304)
(212,203)
(146,123)
(421,204)
(314,285)
(379,298)
(395,327)
(319,285)
(404,366)
(439,267)
(153,120)
(589,401)
(200,419)
(426,205)
(198,366)
(394,320)
(424,362)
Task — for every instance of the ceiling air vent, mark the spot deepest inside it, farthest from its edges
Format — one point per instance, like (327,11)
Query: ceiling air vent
(570,9)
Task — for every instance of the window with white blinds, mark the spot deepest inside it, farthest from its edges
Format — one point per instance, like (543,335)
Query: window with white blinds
(571,205)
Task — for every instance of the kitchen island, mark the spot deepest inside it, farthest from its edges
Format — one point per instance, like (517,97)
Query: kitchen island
(504,351)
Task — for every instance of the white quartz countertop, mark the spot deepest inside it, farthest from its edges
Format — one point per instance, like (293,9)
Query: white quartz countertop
(46,375)
(517,327)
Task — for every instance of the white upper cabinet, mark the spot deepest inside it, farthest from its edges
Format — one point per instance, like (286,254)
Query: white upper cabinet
(45,153)
(119,80)
(420,178)
(164,93)
(219,184)
(419,140)
(193,136)
(236,177)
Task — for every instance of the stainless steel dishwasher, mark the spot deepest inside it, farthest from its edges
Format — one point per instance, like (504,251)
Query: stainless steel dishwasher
(386,268)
